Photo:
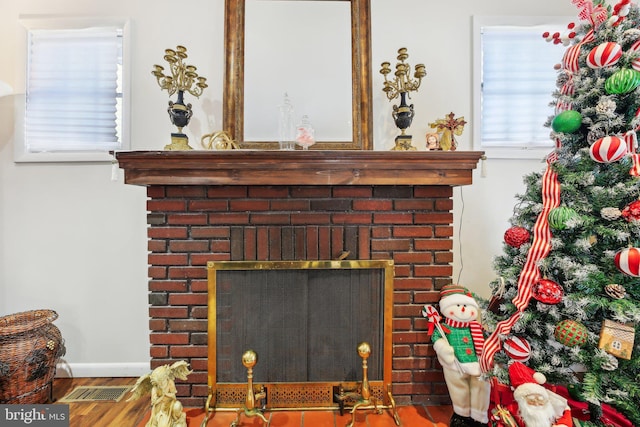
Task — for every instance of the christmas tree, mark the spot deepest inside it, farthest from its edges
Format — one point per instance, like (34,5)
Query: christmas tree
(567,301)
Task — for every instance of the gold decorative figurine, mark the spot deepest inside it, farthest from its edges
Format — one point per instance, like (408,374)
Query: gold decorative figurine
(449,128)
(219,140)
(402,85)
(166,410)
(183,78)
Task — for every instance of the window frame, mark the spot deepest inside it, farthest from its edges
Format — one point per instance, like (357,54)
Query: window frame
(28,23)
(549,23)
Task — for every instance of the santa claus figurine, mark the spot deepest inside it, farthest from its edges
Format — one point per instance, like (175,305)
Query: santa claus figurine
(535,405)
(458,341)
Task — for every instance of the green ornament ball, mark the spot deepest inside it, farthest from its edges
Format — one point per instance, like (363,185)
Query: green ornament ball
(622,81)
(568,121)
(558,217)
(571,333)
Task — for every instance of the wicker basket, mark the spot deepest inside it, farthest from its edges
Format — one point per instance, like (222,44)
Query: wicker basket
(30,346)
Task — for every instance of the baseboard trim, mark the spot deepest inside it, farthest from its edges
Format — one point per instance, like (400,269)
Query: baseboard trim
(99,370)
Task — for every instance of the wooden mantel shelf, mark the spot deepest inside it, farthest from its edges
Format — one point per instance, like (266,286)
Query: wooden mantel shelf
(313,167)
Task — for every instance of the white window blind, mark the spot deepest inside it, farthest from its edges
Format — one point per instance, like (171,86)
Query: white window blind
(73,91)
(514,81)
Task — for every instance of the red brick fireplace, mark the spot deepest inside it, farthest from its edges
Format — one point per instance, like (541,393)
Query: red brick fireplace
(298,205)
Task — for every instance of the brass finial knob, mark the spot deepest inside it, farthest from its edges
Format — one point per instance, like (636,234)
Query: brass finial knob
(249,359)
(364,350)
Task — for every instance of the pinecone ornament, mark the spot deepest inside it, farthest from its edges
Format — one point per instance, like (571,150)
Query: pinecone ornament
(606,107)
(611,364)
(610,214)
(630,35)
(615,291)
(595,135)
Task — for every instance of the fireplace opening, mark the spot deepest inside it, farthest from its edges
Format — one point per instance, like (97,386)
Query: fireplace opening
(304,320)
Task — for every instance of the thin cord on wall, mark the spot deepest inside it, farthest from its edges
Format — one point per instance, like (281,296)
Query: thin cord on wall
(460,236)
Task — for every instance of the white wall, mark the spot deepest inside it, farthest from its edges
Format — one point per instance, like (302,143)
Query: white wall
(74,241)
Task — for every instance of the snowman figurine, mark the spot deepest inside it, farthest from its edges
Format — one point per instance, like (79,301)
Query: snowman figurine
(458,341)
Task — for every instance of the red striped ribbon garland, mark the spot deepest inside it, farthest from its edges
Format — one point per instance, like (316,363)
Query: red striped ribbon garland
(530,274)
(572,54)
(567,89)
(570,65)
(632,144)
(542,234)
(541,245)
(635,168)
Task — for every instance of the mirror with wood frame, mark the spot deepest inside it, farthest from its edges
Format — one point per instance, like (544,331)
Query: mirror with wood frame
(234,84)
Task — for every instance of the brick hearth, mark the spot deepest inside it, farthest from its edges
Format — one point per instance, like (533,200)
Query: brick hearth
(237,214)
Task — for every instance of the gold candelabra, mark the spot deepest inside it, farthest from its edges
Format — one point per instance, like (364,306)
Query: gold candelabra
(401,85)
(182,78)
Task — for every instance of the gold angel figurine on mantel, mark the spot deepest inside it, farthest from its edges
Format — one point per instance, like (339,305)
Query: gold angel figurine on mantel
(449,128)
(166,410)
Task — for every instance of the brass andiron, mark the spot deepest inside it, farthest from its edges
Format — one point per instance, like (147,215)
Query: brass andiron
(363,397)
(249,360)
(208,412)
(183,78)
(402,85)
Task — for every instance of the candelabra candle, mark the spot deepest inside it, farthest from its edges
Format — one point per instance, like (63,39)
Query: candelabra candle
(401,86)
(182,78)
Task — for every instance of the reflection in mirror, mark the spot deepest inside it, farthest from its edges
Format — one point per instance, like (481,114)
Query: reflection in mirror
(236,89)
(289,50)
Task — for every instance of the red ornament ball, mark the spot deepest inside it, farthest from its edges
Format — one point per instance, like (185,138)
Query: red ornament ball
(608,149)
(547,291)
(571,333)
(516,236)
(632,211)
(517,349)
(628,261)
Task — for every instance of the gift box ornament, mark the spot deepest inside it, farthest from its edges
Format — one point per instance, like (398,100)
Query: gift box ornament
(617,339)
(501,417)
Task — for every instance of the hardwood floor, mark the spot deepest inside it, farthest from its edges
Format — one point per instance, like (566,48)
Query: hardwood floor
(101,414)
(132,414)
